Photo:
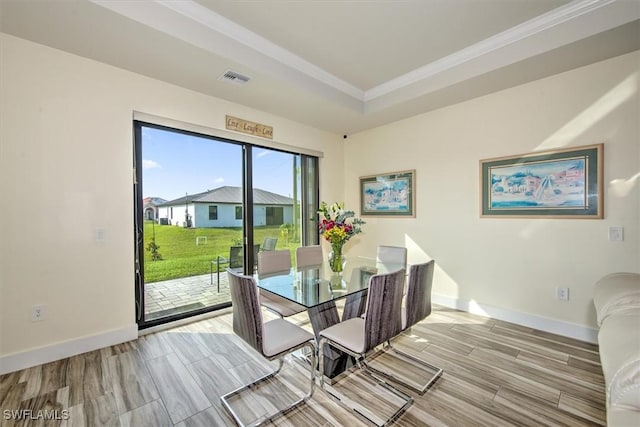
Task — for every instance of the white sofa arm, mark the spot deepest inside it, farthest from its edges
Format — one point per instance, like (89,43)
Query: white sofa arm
(616,293)
(619,340)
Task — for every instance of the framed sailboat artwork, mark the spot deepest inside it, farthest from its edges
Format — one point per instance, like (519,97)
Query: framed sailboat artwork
(564,183)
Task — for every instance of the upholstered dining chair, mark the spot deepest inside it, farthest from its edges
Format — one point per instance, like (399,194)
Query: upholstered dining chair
(274,262)
(270,262)
(273,339)
(417,307)
(357,336)
(392,254)
(308,256)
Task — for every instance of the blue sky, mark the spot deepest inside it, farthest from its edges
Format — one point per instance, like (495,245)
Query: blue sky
(174,164)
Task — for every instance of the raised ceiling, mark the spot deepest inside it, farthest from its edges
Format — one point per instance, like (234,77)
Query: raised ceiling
(343,66)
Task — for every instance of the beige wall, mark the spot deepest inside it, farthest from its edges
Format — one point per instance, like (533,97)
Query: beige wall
(66,172)
(510,267)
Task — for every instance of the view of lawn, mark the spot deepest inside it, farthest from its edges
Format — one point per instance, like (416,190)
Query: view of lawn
(181,257)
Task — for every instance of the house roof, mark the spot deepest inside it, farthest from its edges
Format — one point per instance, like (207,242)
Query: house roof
(231,195)
(153,201)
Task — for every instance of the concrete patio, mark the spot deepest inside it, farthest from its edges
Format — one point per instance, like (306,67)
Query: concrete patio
(185,294)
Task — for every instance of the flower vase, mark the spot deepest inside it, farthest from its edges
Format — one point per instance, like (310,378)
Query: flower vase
(336,260)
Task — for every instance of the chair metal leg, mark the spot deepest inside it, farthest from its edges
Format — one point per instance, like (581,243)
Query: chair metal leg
(358,409)
(227,397)
(422,389)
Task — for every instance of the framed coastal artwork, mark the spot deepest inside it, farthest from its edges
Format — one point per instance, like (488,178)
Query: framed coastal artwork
(388,194)
(564,183)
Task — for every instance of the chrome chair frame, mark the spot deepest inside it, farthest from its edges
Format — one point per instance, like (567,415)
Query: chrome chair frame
(225,399)
(418,307)
(384,290)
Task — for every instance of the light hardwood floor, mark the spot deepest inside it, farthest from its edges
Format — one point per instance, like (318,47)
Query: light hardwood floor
(496,374)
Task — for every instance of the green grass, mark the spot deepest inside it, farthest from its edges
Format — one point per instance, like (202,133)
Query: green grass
(181,257)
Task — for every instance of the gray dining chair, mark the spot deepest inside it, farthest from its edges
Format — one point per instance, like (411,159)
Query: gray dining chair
(309,256)
(357,336)
(271,263)
(235,261)
(269,243)
(392,254)
(417,307)
(273,340)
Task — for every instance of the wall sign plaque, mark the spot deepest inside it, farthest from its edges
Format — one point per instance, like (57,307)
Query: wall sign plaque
(250,128)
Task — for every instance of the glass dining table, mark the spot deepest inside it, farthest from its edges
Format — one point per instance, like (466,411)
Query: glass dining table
(318,288)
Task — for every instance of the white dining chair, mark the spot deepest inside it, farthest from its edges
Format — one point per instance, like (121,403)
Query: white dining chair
(270,262)
(309,256)
(392,254)
(276,262)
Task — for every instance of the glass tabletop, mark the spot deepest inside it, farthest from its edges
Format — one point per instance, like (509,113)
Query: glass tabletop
(315,285)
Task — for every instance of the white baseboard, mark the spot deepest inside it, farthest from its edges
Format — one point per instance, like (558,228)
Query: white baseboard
(26,359)
(567,329)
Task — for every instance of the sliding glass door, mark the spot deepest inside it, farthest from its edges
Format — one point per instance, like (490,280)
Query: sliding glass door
(204,204)
(276,200)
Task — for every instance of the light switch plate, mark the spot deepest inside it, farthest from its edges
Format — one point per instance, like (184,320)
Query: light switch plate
(616,234)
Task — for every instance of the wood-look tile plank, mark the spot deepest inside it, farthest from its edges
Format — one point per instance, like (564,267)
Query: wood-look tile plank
(9,380)
(101,411)
(213,377)
(546,344)
(565,340)
(11,396)
(52,402)
(586,409)
(153,414)
(586,377)
(211,416)
(474,337)
(521,341)
(588,366)
(496,374)
(187,345)
(250,404)
(86,377)
(153,345)
(439,335)
(179,392)
(538,410)
(228,349)
(76,417)
(449,410)
(131,381)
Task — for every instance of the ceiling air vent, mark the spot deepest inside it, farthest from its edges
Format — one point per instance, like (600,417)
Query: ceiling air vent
(233,77)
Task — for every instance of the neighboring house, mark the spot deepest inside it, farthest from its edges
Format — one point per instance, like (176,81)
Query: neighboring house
(222,207)
(150,207)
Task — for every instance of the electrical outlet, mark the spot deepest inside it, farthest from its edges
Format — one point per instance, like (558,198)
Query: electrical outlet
(38,313)
(616,234)
(562,294)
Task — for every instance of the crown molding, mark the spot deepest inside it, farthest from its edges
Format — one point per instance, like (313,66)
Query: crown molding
(511,36)
(228,28)
(217,34)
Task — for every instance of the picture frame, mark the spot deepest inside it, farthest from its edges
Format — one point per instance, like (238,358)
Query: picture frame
(388,195)
(562,183)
